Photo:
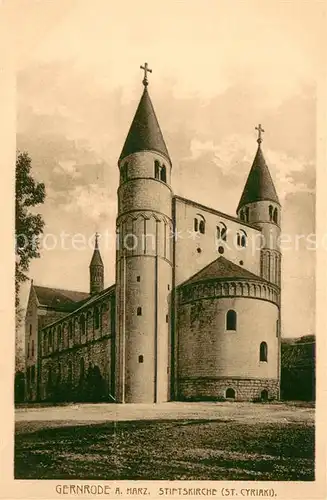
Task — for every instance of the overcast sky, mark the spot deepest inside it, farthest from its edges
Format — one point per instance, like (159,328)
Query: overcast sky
(219,69)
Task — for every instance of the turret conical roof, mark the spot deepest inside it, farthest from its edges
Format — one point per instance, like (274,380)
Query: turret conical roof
(259,185)
(96,257)
(144,133)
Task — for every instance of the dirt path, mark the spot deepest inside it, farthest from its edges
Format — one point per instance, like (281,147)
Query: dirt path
(238,412)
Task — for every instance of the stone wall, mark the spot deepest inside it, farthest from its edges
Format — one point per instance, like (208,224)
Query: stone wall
(77,353)
(215,388)
(83,373)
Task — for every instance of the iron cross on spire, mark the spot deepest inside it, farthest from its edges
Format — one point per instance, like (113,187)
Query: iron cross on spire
(146,70)
(97,239)
(260,130)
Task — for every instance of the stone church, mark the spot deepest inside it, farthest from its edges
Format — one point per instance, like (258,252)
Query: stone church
(194,313)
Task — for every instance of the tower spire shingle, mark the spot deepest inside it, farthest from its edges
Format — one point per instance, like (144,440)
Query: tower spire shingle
(144,133)
(259,185)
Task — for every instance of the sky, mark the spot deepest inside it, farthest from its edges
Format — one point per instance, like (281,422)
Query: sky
(219,69)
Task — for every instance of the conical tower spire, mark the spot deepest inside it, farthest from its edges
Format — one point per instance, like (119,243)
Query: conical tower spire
(96,269)
(144,133)
(259,185)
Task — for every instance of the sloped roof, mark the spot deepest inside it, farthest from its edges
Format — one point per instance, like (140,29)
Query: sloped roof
(223,269)
(259,185)
(144,133)
(58,298)
(91,299)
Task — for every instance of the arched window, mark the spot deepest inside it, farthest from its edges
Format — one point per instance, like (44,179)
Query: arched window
(222,232)
(30,330)
(200,224)
(59,335)
(231,320)
(139,311)
(241,215)
(275,216)
(241,238)
(141,359)
(264,395)
(156,169)
(163,175)
(271,208)
(247,214)
(263,351)
(70,329)
(82,324)
(230,393)
(96,318)
(32,349)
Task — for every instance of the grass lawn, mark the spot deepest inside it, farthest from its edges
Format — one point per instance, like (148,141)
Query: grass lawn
(166,450)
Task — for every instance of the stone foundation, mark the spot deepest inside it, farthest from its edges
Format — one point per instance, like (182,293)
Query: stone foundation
(216,388)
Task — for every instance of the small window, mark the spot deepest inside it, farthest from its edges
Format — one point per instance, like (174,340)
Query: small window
(30,330)
(247,214)
(168,286)
(275,216)
(70,329)
(166,318)
(199,224)
(263,352)
(241,238)
(230,393)
(59,335)
(222,232)
(163,175)
(28,350)
(139,311)
(156,169)
(264,395)
(271,208)
(241,215)
(32,348)
(82,324)
(138,278)
(96,318)
(277,328)
(141,359)
(231,320)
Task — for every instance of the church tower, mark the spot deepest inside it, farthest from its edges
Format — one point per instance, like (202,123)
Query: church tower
(259,205)
(96,270)
(143,260)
